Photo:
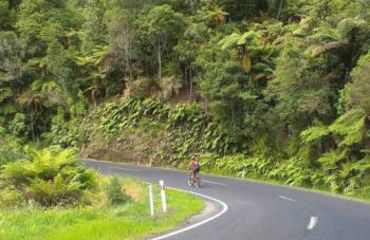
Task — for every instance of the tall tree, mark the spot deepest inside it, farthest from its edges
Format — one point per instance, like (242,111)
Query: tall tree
(159,30)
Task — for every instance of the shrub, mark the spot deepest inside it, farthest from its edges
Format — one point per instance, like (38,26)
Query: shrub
(51,177)
(115,192)
(137,89)
(18,125)
(10,156)
(10,197)
(170,87)
(59,191)
(10,147)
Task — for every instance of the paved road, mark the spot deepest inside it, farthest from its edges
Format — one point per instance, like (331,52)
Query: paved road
(259,211)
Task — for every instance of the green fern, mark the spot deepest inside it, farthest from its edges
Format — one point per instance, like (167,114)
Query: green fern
(351,126)
(314,133)
(5,93)
(52,176)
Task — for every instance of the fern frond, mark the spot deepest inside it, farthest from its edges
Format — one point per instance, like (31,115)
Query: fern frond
(5,93)
(350,125)
(314,133)
(230,41)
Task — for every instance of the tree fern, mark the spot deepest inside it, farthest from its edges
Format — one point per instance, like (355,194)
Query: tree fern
(5,93)
(350,126)
(330,161)
(230,41)
(314,133)
(355,169)
(51,176)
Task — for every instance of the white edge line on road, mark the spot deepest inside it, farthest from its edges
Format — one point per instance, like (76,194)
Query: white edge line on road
(211,182)
(286,198)
(224,209)
(312,223)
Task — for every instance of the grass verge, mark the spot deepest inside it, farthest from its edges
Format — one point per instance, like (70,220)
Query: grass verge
(128,221)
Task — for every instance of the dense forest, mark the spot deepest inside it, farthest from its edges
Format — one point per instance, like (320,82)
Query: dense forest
(274,88)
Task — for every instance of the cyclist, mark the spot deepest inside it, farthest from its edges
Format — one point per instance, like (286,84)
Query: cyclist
(194,167)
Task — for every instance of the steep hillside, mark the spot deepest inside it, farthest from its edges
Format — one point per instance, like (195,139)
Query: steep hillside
(147,131)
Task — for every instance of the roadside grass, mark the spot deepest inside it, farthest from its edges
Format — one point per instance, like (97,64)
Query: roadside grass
(127,221)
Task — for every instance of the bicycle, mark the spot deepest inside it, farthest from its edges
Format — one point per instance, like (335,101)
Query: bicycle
(194,179)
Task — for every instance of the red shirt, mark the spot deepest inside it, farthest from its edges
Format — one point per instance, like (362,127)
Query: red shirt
(194,165)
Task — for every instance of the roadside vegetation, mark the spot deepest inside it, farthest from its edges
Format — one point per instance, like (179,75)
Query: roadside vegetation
(128,127)
(271,89)
(49,194)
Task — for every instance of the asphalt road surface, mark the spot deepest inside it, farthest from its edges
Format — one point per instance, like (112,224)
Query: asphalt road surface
(257,211)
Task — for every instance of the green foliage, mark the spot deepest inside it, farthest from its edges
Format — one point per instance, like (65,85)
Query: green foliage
(345,169)
(10,197)
(293,172)
(170,87)
(298,88)
(159,29)
(115,192)
(290,77)
(131,221)
(17,125)
(358,89)
(187,127)
(350,129)
(10,156)
(314,133)
(51,177)
(352,126)
(137,89)
(10,148)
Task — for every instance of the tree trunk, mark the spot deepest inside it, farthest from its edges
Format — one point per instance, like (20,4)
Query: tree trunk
(159,59)
(127,49)
(348,57)
(206,106)
(33,128)
(186,79)
(367,128)
(191,83)
(280,9)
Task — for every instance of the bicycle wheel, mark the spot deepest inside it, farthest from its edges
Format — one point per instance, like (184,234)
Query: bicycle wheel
(197,182)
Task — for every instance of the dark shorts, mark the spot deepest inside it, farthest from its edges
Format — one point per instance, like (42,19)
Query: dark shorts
(195,171)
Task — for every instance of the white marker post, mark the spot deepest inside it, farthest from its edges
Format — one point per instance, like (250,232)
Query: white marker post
(151,200)
(163,196)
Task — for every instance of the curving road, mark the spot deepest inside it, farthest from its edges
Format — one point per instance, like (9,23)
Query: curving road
(258,211)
